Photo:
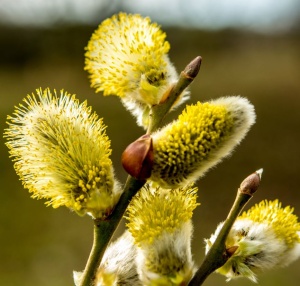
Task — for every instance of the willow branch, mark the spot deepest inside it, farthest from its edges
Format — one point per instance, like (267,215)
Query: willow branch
(104,229)
(217,255)
(158,112)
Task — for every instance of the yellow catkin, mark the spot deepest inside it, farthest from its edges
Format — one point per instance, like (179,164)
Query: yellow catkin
(153,212)
(61,153)
(124,48)
(188,142)
(282,220)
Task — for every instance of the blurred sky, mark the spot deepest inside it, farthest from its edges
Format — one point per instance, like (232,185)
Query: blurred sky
(259,15)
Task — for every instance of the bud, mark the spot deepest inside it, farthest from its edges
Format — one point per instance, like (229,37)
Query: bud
(192,69)
(251,183)
(137,159)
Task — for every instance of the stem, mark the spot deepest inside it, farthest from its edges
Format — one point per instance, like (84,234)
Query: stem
(104,229)
(158,112)
(216,257)
(101,231)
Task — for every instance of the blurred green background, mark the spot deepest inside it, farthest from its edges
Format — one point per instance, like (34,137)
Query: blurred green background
(42,246)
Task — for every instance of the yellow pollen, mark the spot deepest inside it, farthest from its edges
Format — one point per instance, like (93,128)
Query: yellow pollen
(121,50)
(282,220)
(153,212)
(186,144)
(61,152)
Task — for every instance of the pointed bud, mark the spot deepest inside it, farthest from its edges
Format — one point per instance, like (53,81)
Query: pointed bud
(192,69)
(137,159)
(251,183)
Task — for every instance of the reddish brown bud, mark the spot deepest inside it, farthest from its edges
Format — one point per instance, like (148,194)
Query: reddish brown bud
(192,69)
(137,159)
(251,183)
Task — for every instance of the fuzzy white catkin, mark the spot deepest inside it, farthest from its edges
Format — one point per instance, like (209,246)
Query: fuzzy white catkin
(118,264)
(259,249)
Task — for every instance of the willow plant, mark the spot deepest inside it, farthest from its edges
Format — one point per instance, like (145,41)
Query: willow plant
(62,154)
